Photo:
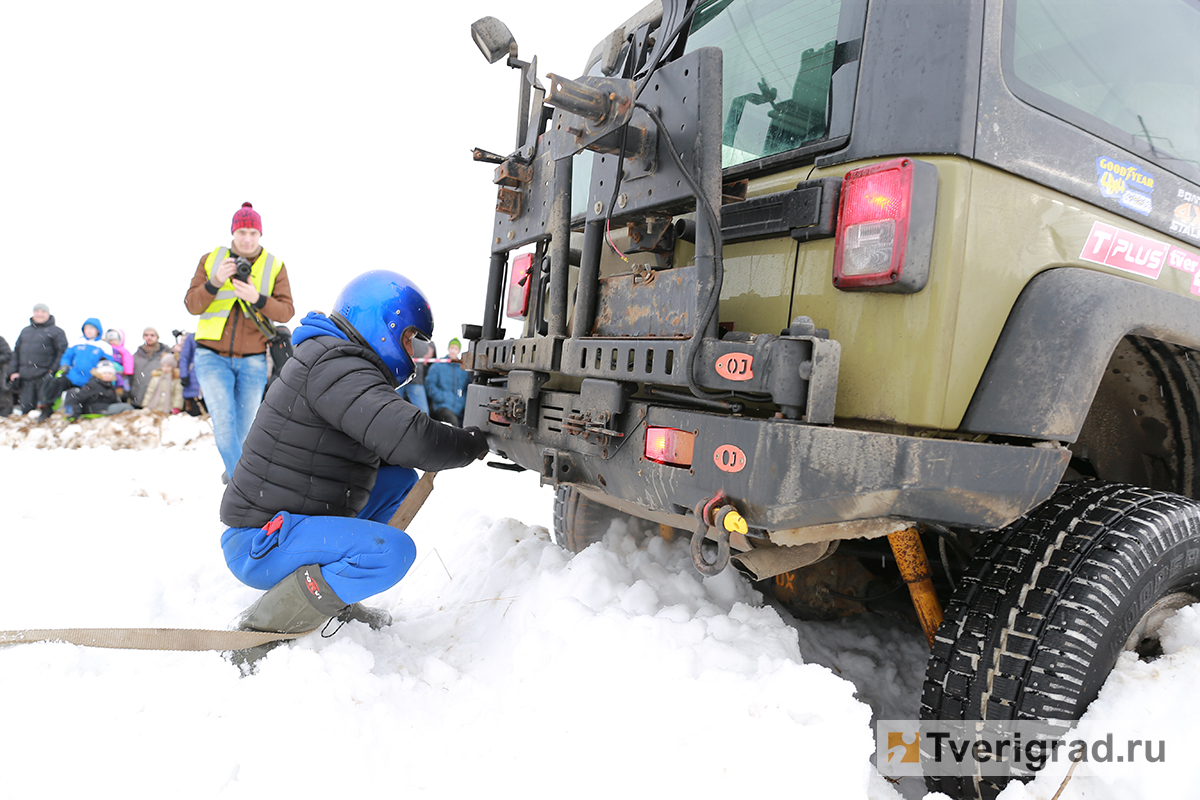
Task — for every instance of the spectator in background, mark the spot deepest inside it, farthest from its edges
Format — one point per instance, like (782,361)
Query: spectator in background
(75,368)
(146,359)
(6,398)
(122,358)
(446,384)
(235,324)
(97,396)
(36,356)
(187,376)
(164,393)
(414,390)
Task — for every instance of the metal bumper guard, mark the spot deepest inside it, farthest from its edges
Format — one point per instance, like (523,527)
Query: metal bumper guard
(782,474)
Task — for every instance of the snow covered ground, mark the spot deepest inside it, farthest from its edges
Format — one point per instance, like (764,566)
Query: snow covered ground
(512,668)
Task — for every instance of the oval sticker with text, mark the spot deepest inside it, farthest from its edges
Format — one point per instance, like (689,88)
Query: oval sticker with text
(729,458)
(736,366)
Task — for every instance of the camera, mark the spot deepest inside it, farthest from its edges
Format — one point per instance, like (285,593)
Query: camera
(243,270)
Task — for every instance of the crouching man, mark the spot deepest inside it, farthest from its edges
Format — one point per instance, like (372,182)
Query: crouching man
(328,460)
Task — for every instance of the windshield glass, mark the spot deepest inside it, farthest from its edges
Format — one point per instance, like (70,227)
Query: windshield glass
(778,65)
(1125,71)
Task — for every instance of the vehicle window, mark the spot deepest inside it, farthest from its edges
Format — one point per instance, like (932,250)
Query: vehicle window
(778,65)
(1125,71)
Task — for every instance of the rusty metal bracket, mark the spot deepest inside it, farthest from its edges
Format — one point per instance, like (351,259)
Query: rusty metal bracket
(512,176)
(512,172)
(589,110)
(588,424)
(656,235)
(643,274)
(510,408)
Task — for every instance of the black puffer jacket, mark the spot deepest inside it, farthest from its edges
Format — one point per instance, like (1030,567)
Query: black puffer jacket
(322,432)
(38,349)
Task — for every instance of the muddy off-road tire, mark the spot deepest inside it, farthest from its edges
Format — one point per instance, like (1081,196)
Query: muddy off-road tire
(1048,604)
(579,522)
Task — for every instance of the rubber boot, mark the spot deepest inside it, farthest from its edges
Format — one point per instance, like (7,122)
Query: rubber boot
(377,618)
(300,602)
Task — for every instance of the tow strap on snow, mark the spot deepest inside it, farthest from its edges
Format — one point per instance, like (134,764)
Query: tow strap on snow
(149,638)
(187,639)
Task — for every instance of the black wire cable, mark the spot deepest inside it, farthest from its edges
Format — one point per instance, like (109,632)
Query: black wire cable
(702,206)
(659,53)
(714,226)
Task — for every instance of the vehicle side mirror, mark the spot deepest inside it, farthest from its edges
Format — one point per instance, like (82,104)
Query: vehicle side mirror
(493,38)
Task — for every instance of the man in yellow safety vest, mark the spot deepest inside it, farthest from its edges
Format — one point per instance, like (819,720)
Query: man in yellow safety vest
(237,291)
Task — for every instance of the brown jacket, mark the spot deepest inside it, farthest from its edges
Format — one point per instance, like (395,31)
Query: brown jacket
(241,336)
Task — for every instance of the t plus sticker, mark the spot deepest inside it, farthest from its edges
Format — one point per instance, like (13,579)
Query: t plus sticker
(1126,251)
(735,366)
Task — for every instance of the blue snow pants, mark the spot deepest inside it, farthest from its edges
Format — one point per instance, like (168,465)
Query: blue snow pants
(359,556)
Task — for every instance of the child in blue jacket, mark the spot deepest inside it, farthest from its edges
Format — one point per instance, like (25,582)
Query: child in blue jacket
(75,368)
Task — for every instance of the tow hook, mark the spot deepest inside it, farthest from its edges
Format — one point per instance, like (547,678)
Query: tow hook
(726,519)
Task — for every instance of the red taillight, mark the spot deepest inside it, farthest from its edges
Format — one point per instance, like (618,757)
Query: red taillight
(885,226)
(669,446)
(519,281)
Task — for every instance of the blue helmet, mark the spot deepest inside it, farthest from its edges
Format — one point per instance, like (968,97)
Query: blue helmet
(382,305)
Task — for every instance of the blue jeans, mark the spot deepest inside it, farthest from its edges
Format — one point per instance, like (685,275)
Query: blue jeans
(415,394)
(232,388)
(359,556)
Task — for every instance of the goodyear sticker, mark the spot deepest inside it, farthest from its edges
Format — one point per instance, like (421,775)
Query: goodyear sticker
(1186,221)
(1126,183)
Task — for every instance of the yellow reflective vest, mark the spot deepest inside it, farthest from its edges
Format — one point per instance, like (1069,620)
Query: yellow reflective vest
(262,276)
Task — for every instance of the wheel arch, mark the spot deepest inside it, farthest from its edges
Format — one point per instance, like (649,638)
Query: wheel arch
(1059,343)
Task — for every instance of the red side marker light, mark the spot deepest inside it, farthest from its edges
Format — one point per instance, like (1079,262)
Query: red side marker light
(669,446)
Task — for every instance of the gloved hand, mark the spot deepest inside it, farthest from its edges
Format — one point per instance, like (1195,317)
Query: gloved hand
(184,381)
(479,440)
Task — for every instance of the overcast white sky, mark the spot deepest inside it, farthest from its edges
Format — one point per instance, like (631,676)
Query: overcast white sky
(133,130)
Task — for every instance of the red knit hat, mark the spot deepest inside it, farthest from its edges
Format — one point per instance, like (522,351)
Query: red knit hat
(246,217)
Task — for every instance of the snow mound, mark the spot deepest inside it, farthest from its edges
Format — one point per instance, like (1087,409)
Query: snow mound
(130,430)
(620,656)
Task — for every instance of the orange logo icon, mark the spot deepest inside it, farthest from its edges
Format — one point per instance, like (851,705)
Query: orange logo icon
(908,752)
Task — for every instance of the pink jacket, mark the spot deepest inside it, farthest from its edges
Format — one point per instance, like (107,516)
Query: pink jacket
(120,351)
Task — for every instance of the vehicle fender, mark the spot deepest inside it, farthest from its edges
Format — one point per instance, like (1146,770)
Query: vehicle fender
(1058,340)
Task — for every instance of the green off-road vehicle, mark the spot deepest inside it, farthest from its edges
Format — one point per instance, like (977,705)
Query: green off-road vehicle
(841,289)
